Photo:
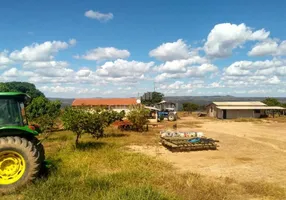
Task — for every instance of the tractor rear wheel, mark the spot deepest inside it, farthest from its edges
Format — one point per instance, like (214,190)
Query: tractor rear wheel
(20,163)
(40,148)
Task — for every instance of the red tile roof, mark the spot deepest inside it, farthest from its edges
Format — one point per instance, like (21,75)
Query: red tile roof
(104,102)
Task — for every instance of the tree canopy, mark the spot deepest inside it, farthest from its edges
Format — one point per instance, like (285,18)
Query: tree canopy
(190,107)
(43,111)
(40,109)
(138,115)
(24,87)
(4,87)
(81,120)
(271,102)
(152,98)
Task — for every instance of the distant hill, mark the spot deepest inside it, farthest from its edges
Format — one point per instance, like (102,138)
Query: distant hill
(65,102)
(205,100)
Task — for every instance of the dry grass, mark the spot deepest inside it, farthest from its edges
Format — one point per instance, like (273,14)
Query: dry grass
(183,114)
(255,120)
(244,159)
(279,119)
(190,124)
(264,190)
(104,169)
(279,143)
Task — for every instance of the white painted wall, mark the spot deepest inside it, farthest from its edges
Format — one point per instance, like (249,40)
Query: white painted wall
(219,113)
(232,114)
(119,108)
(212,110)
(115,108)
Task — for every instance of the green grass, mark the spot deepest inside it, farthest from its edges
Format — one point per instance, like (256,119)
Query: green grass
(105,169)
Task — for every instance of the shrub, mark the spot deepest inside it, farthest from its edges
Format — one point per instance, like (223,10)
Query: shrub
(138,116)
(80,120)
(44,112)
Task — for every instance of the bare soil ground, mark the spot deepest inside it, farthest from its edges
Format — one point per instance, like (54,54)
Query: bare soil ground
(249,151)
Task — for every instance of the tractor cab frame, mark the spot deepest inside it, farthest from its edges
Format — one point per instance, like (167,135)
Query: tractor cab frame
(22,155)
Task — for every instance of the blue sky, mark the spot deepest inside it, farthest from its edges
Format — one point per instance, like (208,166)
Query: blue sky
(122,48)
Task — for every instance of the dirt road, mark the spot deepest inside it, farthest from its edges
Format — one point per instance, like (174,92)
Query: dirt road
(248,151)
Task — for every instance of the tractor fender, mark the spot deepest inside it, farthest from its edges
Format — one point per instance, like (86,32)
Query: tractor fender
(23,131)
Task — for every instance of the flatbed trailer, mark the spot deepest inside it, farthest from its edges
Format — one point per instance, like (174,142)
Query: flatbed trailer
(178,144)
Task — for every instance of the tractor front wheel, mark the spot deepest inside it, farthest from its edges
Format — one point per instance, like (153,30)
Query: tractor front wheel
(20,162)
(172,117)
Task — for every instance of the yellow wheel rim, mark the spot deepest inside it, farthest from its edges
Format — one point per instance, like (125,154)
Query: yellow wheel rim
(12,167)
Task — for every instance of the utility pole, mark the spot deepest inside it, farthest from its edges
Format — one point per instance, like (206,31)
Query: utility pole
(154,86)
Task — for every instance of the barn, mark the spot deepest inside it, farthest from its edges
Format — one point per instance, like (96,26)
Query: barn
(232,110)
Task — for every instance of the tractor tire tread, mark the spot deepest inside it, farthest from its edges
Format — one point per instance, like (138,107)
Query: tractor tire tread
(40,149)
(31,155)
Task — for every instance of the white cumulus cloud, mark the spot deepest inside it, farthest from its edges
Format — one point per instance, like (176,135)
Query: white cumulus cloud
(192,71)
(180,65)
(171,51)
(225,37)
(102,17)
(269,47)
(259,91)
(58,89)
(165,76)
(255,74)
(72,41)
(274,80)
(14,72)
(123,70)
(201,70)
(107,53)
(267,67)
(181,86)
(39,52)
(83,72)
(4,58)
(45,64)
(55,72)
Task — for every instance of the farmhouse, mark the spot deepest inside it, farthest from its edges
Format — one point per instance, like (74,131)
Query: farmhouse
(116,104)
(232,110)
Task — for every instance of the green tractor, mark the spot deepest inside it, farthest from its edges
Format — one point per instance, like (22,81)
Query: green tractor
(22,156)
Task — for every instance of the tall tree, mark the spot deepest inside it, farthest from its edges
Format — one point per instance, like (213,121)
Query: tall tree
(271,102)
(40,109)
(24,87)
(44,112)
(83,120)
(138,115)
(152,98)
(4,87)
(190,107)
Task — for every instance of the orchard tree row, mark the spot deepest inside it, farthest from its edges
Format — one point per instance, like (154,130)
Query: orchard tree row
(79,120)
(40,110)
(84,120)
